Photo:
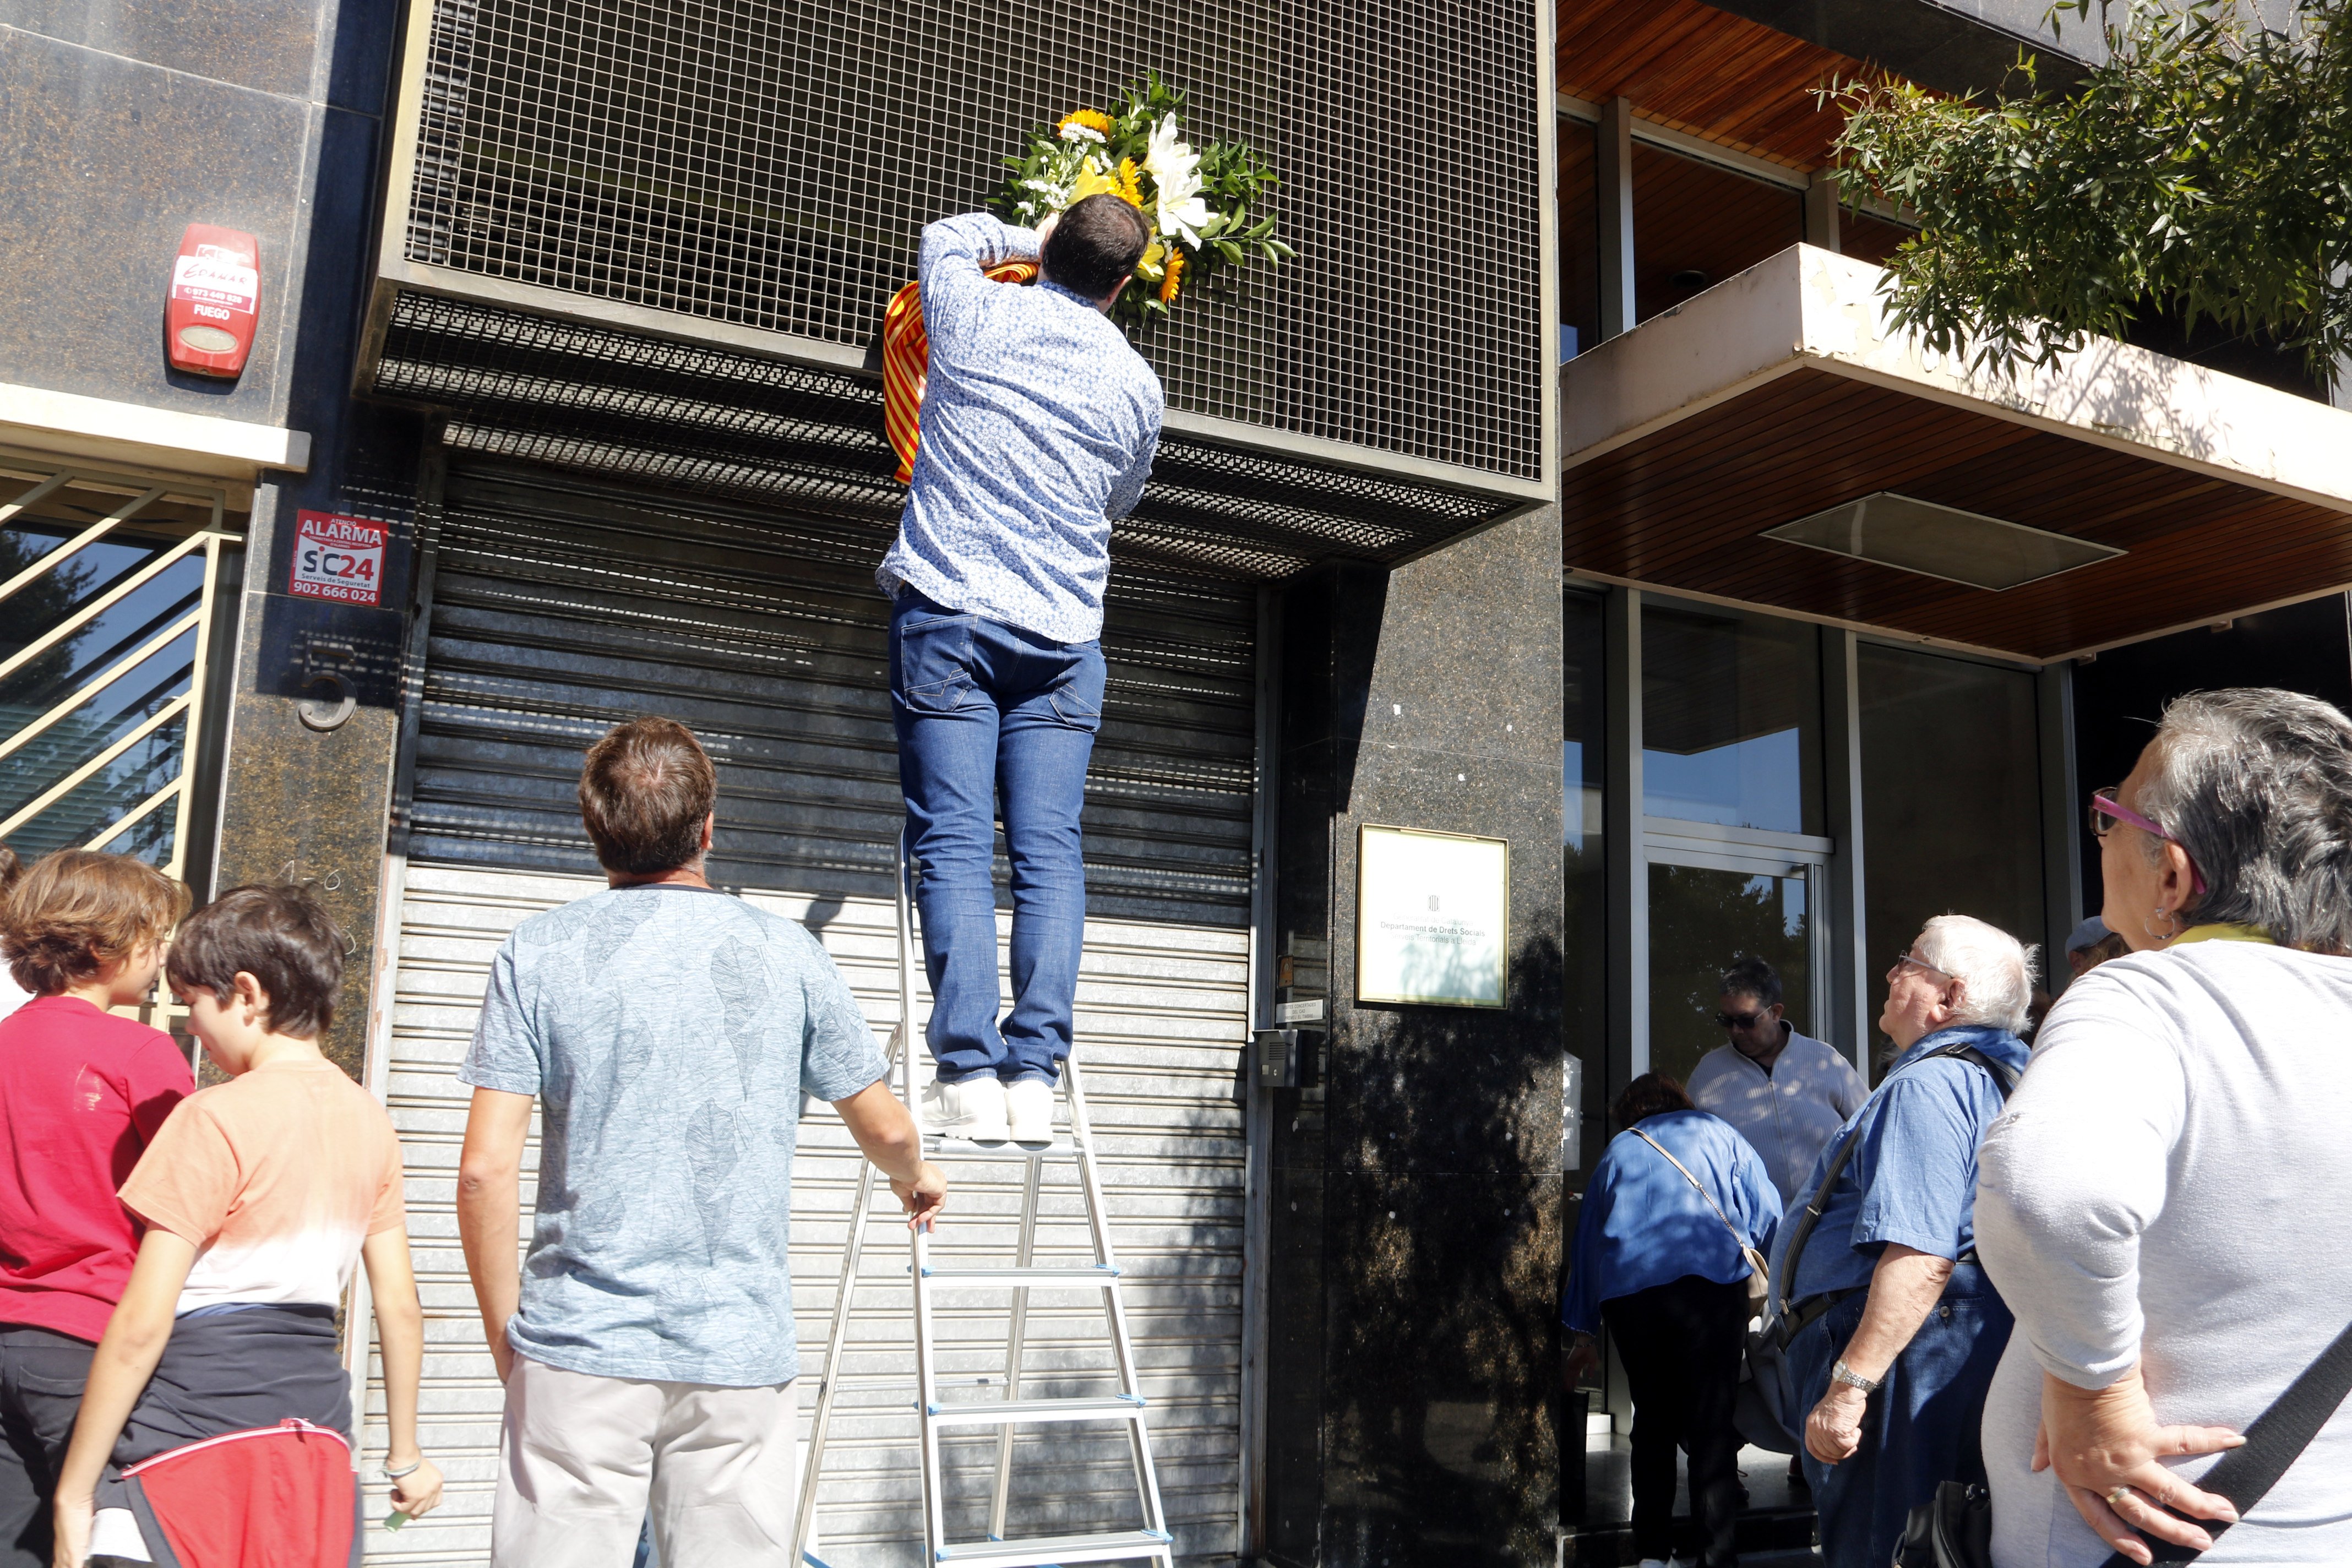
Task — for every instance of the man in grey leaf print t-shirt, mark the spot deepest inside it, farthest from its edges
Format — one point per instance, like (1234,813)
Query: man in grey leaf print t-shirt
(1039,424)
(668,1032)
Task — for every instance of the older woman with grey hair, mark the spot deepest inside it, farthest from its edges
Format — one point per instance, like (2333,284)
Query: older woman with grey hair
(2164,1204)
(1892,1329)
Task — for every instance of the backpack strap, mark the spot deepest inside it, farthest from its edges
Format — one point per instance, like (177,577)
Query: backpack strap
(1812,1307)
(1696,1186)
(2274,1440)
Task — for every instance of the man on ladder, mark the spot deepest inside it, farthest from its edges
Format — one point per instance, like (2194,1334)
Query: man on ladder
(1038,427)
(1039,423)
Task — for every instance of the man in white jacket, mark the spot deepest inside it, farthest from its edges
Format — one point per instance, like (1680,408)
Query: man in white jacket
(1787,1093)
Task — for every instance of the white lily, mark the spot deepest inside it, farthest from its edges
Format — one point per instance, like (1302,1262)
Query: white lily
(1175,171)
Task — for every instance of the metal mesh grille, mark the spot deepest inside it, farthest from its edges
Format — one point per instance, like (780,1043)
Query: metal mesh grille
(598,401)
(771,162)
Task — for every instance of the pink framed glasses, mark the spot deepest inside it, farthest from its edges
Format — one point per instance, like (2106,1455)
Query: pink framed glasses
(2103,806)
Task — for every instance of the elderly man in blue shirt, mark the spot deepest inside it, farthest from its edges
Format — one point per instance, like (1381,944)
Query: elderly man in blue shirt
(1658,1257)
(1896,1332)
(1039,423)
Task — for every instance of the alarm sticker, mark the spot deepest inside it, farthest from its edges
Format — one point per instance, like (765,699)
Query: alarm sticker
(216,275)
(339,558)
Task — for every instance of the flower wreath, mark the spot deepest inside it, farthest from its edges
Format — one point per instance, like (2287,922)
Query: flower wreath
(1205,209)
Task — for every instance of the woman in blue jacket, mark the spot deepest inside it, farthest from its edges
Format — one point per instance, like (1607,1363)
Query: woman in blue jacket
(1659,1260)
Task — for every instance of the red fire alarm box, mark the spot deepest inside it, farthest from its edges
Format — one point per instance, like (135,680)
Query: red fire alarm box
(215,298)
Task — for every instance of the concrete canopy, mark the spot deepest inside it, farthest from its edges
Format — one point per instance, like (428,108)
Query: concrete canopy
(1784,392)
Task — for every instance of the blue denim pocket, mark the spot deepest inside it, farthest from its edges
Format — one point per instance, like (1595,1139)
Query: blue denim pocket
(1077,697)
(931,662)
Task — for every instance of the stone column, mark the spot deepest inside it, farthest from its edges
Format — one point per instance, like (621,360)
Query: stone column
(297,802)
(1413,1356)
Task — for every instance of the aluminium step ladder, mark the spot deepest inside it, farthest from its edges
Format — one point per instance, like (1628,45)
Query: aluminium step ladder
(1152,1543)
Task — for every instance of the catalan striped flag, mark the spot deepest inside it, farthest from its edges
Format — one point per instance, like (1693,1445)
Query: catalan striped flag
(906,359)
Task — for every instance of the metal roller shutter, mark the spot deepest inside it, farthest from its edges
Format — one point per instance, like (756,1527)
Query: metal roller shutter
(557,610)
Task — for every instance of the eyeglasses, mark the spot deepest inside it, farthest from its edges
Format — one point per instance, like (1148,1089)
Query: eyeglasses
(2105,813)
(1737,1020)
(1905,957)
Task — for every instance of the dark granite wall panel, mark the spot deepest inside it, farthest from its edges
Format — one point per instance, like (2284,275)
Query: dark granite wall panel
(303,804)
(107,160)
(120,122)
(1416,1251)
(267,44)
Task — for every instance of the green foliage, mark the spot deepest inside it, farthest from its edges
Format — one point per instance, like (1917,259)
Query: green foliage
(2204,168)
(1207,209)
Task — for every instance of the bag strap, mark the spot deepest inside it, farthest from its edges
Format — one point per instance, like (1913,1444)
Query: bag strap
(1745,1246)
(2276,1439)
(2003,1077)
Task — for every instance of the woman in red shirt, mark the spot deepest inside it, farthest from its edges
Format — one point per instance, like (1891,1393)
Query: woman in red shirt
(82,1092)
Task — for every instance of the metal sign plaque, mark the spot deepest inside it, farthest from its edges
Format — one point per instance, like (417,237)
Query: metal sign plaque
(1432,918)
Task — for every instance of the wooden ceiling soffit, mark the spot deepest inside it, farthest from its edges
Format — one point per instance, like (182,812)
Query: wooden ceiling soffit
(1692,68)
(1783,393)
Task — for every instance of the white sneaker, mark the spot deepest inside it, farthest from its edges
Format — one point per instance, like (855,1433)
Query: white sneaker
(1030,1105)
(973,1108)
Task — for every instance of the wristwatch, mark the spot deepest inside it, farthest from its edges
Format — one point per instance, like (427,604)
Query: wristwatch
(1843,1373)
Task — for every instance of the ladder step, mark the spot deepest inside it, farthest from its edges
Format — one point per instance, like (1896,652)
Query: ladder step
(939,1148)
(1045,1550)
(1005,1412)
(980,1279)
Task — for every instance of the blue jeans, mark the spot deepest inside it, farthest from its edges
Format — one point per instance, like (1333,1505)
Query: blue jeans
(995,722)
(1920,1427)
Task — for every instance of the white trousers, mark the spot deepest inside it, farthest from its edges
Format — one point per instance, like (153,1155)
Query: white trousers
(582,1460)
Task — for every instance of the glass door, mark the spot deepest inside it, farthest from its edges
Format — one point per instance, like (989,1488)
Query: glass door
(1702,920)
(1733,830)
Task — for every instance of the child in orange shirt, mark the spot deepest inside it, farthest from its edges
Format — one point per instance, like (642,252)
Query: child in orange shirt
(218,1394)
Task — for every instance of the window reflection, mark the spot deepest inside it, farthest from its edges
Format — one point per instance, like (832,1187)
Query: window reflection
(1701,923)
(1731,719)
(139,692)
(1952,812)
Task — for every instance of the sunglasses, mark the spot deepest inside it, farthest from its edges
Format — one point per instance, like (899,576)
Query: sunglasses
(1737,1020)
(2105,813)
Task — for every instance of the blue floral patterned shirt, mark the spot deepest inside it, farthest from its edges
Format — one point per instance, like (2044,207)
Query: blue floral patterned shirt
(1039,424)
(669,1032)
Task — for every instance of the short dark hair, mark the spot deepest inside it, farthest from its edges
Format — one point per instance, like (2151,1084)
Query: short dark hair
(75,911)
(1752,977)
(1652,1094)
(1097,242)
(645,790)
(282,936)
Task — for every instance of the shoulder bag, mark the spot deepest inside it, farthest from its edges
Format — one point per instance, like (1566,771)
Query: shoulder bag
(1769,1413)
(1955,1530)
(1759,1273)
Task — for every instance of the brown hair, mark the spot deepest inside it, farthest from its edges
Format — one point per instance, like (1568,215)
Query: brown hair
(282,936)
(645,790)
(1652,1094)
(10,868)
(75,911)
(1096,243)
